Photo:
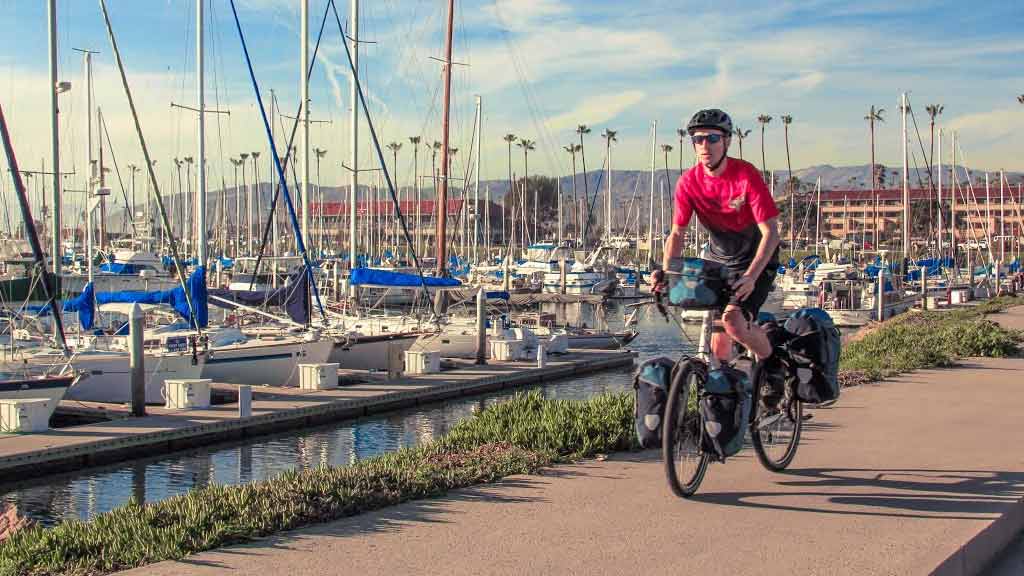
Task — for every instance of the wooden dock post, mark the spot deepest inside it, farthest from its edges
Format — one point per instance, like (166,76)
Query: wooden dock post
(924,288)
(481,326)
(881,293)
(244,401)
(137,360)
(970,275)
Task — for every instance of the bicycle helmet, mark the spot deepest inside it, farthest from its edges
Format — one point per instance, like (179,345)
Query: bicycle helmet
(710,118)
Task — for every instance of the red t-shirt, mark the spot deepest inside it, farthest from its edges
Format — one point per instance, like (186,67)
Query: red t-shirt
(731,202)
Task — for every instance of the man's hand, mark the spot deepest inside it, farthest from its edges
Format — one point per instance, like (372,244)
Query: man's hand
(658,281)
(743,287)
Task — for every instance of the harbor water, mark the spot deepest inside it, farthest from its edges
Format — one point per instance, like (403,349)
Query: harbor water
(84,494)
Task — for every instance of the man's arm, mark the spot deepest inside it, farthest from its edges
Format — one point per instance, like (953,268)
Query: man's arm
(769,242)
(673,245)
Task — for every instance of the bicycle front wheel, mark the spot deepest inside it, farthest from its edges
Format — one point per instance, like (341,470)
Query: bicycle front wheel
(775,430)
(685,462)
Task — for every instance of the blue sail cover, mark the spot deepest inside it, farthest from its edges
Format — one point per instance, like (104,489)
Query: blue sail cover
(84,303)
(293,297)
(361,276)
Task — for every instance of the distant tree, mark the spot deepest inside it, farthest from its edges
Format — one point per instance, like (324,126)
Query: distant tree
(875,115)
(763,120)
(740,135)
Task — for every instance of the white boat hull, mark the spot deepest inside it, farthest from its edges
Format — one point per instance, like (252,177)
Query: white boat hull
(52,389)
(108,376)
(370,352)
(264,362)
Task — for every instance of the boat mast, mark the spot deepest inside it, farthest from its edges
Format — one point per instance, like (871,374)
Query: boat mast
(200,202)
(304,83)
(650,213)
(353,193)
(941,230)
(476,185)
(55,250)
(817,214)
(89,166)
(906,181)
(442,195)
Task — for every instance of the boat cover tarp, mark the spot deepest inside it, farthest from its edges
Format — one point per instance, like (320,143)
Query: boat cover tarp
(293,297)
(85,303)
(362,276)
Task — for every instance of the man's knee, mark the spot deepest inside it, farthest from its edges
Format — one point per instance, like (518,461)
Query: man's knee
(735,323)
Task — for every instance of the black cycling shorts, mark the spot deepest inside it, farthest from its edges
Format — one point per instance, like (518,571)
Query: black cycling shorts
(762,287)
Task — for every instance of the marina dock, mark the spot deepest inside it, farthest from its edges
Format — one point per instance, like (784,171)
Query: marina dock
(275,409)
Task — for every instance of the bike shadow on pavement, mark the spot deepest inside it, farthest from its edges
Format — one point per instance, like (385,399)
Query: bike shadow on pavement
(893,492)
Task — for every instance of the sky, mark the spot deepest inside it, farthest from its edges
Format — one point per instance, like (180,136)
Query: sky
(541,68)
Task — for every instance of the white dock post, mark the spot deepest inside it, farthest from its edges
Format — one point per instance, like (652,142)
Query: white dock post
(136,361)
(481,327)
(244,401)
(881,293)
(997,267)
(542,355)
(924,288)
(970,275)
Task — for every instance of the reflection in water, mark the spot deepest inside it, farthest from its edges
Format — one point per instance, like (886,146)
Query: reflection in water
(83,495)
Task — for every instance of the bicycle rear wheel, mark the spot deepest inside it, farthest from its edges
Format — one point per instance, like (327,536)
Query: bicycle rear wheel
(775,432)
(685,462)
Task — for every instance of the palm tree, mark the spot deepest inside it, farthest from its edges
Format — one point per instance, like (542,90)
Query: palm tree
(319,153)
(666,148)
(609,137)
(509,139)
(435,147)
(874,115)
(415,141)
(740,135)
(528,145)
(933,111)
(582,130)
(572,148)
(786,121)
(682,135)
(763,120)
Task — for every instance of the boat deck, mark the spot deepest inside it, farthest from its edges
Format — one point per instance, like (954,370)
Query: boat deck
(273,409)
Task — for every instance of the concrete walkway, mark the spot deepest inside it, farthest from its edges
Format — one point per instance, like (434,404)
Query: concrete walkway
(922,474)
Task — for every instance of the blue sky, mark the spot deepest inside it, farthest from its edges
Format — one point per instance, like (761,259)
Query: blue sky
(542,67)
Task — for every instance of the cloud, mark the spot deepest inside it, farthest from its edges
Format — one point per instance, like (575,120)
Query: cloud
(805,82)
(518,15)
(595,110)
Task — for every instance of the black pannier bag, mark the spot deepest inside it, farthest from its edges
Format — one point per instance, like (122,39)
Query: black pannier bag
(725,408)
(815,346)
(697,284)
(651,381)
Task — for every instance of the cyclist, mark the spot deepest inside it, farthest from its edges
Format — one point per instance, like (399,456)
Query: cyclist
(733,203)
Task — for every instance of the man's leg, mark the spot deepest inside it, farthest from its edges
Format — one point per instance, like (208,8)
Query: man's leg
(747,333)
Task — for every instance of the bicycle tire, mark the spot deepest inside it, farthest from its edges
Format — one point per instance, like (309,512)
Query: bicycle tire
(792,411)
(683,424)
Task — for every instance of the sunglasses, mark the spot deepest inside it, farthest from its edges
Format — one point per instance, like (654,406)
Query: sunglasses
(709,138)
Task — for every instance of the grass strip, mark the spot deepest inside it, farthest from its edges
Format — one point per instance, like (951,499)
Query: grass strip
(917,340)
(519,436)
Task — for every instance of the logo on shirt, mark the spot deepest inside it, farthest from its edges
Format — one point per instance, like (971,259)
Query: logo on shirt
(738,202)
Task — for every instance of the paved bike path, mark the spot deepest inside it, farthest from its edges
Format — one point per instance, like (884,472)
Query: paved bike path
(900,477)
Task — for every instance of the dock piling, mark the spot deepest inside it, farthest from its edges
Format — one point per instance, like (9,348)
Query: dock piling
(137,361)
(881,293)
(481,327)
(244,401)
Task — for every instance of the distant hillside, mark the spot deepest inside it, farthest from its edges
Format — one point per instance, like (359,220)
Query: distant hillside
(626,183)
